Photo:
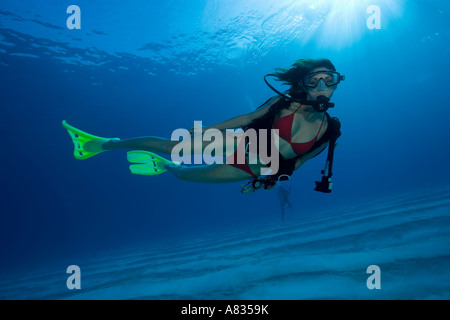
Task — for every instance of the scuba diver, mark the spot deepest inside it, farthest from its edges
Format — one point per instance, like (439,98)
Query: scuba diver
(299,114)
(283,196)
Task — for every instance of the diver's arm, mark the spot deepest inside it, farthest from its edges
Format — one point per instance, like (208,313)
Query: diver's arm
(245,119)
(300,161)
(236,122)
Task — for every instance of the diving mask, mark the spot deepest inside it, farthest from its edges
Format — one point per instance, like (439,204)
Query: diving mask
(329,78)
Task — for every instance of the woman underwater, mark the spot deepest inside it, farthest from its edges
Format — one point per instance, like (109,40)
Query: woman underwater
(304,129)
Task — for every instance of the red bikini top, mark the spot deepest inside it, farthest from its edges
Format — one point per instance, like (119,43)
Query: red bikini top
(284,125)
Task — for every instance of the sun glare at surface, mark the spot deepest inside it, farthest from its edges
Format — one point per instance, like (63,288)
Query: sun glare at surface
(340,23)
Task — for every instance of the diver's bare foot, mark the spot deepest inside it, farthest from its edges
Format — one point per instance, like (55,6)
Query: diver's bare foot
(110,144)
(98,145)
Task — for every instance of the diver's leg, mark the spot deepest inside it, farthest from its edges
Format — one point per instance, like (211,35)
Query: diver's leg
(153,144)
(214,173)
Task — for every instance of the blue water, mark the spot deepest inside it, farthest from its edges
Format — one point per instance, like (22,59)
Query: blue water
(141,68)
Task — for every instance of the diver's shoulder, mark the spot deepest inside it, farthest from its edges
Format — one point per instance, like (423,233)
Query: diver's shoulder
(275,99)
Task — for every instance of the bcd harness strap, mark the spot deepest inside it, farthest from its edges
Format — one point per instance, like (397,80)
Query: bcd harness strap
(287,166)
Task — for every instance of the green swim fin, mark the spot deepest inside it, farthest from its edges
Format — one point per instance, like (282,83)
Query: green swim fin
(147,163)
(79,138)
